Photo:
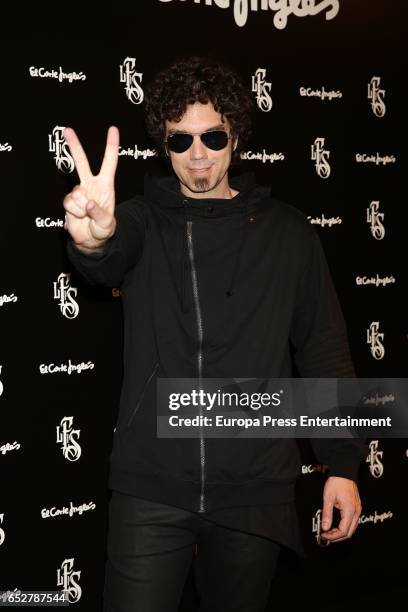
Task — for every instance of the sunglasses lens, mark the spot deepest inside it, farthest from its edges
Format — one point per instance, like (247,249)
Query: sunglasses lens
(215,140)
(179,142)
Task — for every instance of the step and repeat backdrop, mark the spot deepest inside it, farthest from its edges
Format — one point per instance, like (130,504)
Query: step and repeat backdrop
(327,82)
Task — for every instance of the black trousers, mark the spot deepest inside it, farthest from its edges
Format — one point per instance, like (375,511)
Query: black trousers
(151,547)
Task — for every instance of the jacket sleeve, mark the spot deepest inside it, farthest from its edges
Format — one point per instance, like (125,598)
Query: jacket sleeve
(321,350)
(122,251)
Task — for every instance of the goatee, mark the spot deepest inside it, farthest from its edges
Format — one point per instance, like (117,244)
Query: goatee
(201,184)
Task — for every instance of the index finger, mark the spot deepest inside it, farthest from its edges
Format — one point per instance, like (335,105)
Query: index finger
(110,159)
(78,154)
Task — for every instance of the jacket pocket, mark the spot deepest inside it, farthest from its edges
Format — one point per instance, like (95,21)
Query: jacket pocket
(142,393)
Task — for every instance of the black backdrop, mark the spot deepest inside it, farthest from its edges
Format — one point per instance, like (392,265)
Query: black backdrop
(56,426)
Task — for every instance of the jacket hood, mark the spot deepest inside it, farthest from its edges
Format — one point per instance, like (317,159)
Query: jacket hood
(165,192)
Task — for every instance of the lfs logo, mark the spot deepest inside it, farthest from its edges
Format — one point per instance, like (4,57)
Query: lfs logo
(67,436)
(57,145)
(374,459)
(374,339)
(66,578)
(262,87)
(2,534)
(129,76)
(375,219)
(317,528)
(65,293)
(320,155)
(376,95)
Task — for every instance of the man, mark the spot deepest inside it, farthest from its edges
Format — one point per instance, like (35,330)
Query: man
(219,280)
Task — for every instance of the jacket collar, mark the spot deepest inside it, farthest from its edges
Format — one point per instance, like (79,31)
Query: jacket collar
(165,192)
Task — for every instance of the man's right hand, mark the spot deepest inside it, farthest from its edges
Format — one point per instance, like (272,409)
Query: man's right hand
(90,206)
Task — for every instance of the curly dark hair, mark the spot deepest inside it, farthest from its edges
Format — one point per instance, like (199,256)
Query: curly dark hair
(197,79)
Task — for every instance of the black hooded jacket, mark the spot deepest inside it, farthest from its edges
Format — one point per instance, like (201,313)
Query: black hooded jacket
(217,288)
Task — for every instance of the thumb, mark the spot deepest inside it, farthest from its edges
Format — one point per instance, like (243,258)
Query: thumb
(98,214)
(327,514)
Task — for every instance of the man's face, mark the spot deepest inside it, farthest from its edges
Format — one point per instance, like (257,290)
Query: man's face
(201,171)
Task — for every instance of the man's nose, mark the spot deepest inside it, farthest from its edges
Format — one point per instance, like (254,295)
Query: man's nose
(197,149)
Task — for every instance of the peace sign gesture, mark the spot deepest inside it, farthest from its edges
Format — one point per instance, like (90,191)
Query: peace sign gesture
(90,206)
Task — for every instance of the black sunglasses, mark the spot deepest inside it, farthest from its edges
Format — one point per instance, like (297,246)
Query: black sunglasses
(214,139)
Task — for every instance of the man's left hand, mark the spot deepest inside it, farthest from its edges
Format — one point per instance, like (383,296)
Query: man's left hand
(340,493)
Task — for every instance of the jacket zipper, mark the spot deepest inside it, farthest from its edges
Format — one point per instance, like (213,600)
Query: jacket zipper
(139,401)
(201,507)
